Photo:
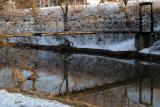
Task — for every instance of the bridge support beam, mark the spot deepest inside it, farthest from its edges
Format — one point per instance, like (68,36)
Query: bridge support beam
(144,40)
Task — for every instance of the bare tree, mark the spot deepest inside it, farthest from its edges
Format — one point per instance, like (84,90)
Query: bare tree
(64,6)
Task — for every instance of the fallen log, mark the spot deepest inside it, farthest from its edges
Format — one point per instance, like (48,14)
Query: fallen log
(62,48)
(70,33)
(68,49)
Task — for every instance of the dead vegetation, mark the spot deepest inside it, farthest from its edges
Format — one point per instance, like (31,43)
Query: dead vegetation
(50,96)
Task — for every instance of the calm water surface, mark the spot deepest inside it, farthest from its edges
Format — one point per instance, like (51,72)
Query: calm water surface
(96,80)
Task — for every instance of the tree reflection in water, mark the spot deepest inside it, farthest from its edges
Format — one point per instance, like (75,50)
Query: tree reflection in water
(100,81)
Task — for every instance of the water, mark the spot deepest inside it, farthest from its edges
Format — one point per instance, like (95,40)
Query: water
(95,80)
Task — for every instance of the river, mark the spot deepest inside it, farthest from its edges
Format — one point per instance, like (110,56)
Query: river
(95,80)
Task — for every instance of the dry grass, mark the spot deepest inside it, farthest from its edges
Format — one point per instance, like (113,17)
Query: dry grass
(49,96)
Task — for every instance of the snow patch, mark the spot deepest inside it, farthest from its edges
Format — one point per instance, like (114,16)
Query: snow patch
(93,1)
(155,49)
(157,29)
(150,51)
(127,45)
(18,100)
(149,0)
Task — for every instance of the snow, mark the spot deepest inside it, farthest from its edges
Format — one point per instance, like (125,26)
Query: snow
(81,18)
(97,1)
(93,1)
(18,100)
(157,29)
(149,51)
(127,45)
(154,49)
(109,11)
(149,0)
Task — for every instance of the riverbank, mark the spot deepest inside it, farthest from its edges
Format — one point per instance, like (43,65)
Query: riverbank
(18,100)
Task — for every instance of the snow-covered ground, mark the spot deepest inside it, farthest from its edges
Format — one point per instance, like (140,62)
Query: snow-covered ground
(150,51)
(85,42)
(18,100)
(127,45)
(155,49)
(90,17)
(157,29)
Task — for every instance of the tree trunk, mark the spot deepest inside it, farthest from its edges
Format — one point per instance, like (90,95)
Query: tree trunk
(65,17)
